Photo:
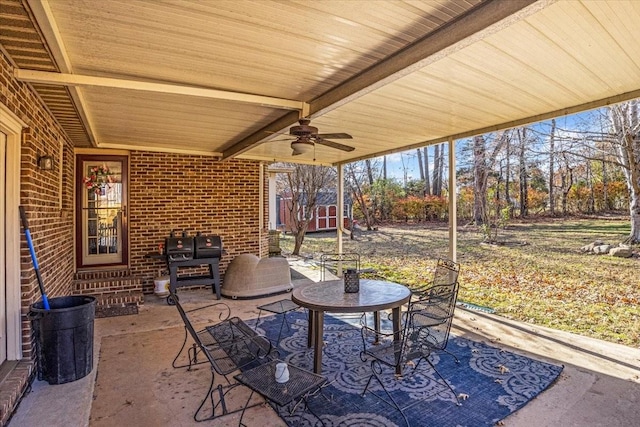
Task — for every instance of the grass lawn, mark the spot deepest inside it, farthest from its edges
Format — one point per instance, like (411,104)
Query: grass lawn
(536,274)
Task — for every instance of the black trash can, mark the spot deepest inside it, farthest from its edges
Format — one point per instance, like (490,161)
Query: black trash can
(64,338)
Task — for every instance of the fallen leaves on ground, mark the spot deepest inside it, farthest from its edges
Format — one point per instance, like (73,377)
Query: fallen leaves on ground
(547,282)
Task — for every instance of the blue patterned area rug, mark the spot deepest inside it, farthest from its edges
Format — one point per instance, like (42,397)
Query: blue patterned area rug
(494,383)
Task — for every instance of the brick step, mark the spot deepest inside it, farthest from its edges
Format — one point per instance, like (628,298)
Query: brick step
(102,285)
(103,274)
(112,288)
(120,298)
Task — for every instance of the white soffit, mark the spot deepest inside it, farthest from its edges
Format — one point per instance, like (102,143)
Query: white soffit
(570,54)
(553,59)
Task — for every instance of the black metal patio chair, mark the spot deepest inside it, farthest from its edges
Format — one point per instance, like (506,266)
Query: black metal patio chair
(280,307)
(445,273)
(426,328)
(227,344)
(336,264)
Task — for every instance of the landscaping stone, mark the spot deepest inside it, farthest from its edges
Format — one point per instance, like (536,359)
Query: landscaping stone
(602,249)
(590,246)
(622,251)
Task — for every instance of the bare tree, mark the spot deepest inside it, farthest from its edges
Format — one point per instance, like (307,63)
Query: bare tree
(357,174)
(304,184)
(625,132)
(484,159)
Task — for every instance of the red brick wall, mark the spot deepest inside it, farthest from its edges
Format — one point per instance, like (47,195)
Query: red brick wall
(51,227)
(167,191)
(193,193)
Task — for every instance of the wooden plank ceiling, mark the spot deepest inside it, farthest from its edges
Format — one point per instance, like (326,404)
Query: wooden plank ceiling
(229,78)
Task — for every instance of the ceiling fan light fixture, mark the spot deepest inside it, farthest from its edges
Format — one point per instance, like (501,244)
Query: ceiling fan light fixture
(301,146)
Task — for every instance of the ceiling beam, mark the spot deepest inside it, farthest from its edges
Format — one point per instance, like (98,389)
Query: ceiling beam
(268,132)
(156,149)
(485,19)
(74,80)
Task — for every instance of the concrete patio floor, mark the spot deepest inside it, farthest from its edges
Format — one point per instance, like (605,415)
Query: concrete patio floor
(600,384)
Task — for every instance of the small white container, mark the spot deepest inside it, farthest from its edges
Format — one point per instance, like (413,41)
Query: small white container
(282,373)
(162,286)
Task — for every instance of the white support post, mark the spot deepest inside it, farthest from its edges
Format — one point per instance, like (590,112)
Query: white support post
(453,208)
(261,209)
(340,219)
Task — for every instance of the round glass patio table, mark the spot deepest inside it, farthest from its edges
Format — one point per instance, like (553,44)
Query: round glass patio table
(374,296)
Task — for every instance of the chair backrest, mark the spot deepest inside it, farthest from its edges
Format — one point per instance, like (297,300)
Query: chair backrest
(429,319)
(335,264)
(190,329)
(229,343)
(446,272)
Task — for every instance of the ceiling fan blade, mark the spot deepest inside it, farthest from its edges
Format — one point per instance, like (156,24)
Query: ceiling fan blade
(279,140)
(334,135)
(335,145)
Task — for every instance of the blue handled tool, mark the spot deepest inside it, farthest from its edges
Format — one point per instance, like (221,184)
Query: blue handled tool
(27,233)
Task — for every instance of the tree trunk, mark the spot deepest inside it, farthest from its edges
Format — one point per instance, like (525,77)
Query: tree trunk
(634,208)
(440,169)
(552,137)
(427,179)
(369,171)
(437,169)
(524,195)
(567,183)
(507,181)
(405,171)
(299,237)
(420,165)
(384,167)
(479,181)
(605,184)
(591,208)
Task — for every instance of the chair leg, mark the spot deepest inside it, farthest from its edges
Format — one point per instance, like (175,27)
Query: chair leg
(240,423)
(192,353)
(208,396)
(452,355)
(284,320)
(184,343)
(376,371)
(444,381)
(216,397)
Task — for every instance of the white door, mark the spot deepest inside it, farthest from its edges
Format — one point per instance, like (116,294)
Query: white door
(3,258)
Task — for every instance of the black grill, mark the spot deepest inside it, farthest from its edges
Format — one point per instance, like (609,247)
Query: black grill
(207,247)
(189,252)
(179,248)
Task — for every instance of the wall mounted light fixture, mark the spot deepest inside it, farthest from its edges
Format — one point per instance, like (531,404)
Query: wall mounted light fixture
(45,163)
